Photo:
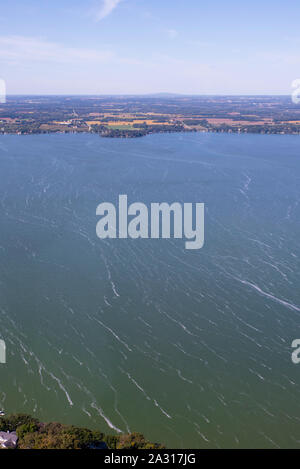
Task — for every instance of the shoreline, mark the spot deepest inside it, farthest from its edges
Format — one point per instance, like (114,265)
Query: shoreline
(127,134)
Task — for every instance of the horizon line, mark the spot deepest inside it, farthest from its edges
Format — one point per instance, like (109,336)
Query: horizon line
(162,94)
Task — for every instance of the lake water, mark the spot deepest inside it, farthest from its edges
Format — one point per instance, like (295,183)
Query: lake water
(191,348)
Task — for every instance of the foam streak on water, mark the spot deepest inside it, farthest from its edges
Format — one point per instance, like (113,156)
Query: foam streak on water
(192,348)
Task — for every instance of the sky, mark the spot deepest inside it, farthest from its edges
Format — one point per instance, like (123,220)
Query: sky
(149,46)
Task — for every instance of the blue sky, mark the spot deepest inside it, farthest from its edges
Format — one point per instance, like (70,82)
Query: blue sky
(146,46)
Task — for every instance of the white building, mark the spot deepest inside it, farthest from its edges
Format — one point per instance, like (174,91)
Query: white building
(8,440)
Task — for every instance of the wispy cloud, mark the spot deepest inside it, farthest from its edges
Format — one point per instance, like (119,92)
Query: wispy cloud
(172,33)
(280,58)
(19,48)
(105,8)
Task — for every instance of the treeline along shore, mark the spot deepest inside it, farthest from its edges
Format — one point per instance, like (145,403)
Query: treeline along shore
(22,431)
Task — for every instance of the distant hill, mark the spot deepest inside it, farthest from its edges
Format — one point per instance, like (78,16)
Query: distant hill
(163,95)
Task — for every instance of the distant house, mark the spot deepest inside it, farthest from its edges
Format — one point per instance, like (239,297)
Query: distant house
(8,440)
